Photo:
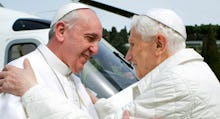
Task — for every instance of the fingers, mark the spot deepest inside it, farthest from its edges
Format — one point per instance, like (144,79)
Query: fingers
(92,96)
(126,115)
(5,82)
(16,80)
(1,85)
(27,64)
(10,68)
(6,68)
(2,74)
(13,83)
(1,90)
(1,82)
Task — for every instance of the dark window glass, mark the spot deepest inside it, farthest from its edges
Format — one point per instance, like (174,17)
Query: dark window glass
(30,24)
(18,50)
(113,68)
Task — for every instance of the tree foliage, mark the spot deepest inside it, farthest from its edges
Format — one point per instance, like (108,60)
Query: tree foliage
(210,50)
(117,39)
(197,32)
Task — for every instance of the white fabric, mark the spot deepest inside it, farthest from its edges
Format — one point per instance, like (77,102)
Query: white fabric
(168,18)
(85,97)
(35,102)
(51,73)
(182,87)
(65,9)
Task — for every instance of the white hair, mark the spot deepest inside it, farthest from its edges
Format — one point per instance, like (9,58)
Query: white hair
(148,27)
(69,19)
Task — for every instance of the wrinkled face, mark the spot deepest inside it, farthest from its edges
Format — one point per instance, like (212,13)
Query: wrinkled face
(81,41)
(141,54)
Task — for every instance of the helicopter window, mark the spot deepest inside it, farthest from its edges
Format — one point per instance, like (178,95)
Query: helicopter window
(18,50)
(113,68)
(30,24)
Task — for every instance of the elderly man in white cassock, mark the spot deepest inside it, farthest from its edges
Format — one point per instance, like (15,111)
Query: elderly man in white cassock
(73,38)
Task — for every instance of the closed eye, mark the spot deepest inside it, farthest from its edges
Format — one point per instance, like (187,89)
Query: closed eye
(91,37)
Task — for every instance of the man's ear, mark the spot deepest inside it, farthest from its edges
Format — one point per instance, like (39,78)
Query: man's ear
(59,31)
(161,44)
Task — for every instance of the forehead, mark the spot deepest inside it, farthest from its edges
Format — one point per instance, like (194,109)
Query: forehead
(89,22)
(134,35)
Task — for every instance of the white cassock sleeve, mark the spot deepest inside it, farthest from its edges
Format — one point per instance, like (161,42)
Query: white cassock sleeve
(42,103)
(114,107)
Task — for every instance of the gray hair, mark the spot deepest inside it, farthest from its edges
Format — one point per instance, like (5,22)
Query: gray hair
(69,19)
(148,27)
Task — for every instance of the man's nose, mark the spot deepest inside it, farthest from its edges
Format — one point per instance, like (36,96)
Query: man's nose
(128,56)
(94,48)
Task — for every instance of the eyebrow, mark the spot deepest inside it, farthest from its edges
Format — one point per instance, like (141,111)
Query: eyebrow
(91,34)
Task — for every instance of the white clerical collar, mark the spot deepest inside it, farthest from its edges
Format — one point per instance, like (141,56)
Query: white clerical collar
(54,61)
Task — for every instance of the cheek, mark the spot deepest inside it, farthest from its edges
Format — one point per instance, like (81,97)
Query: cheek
(138,73)
(76,65)
(140,55)
(144,60)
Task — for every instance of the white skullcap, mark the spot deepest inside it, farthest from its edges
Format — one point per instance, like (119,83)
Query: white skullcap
(65,9)
(168,18)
